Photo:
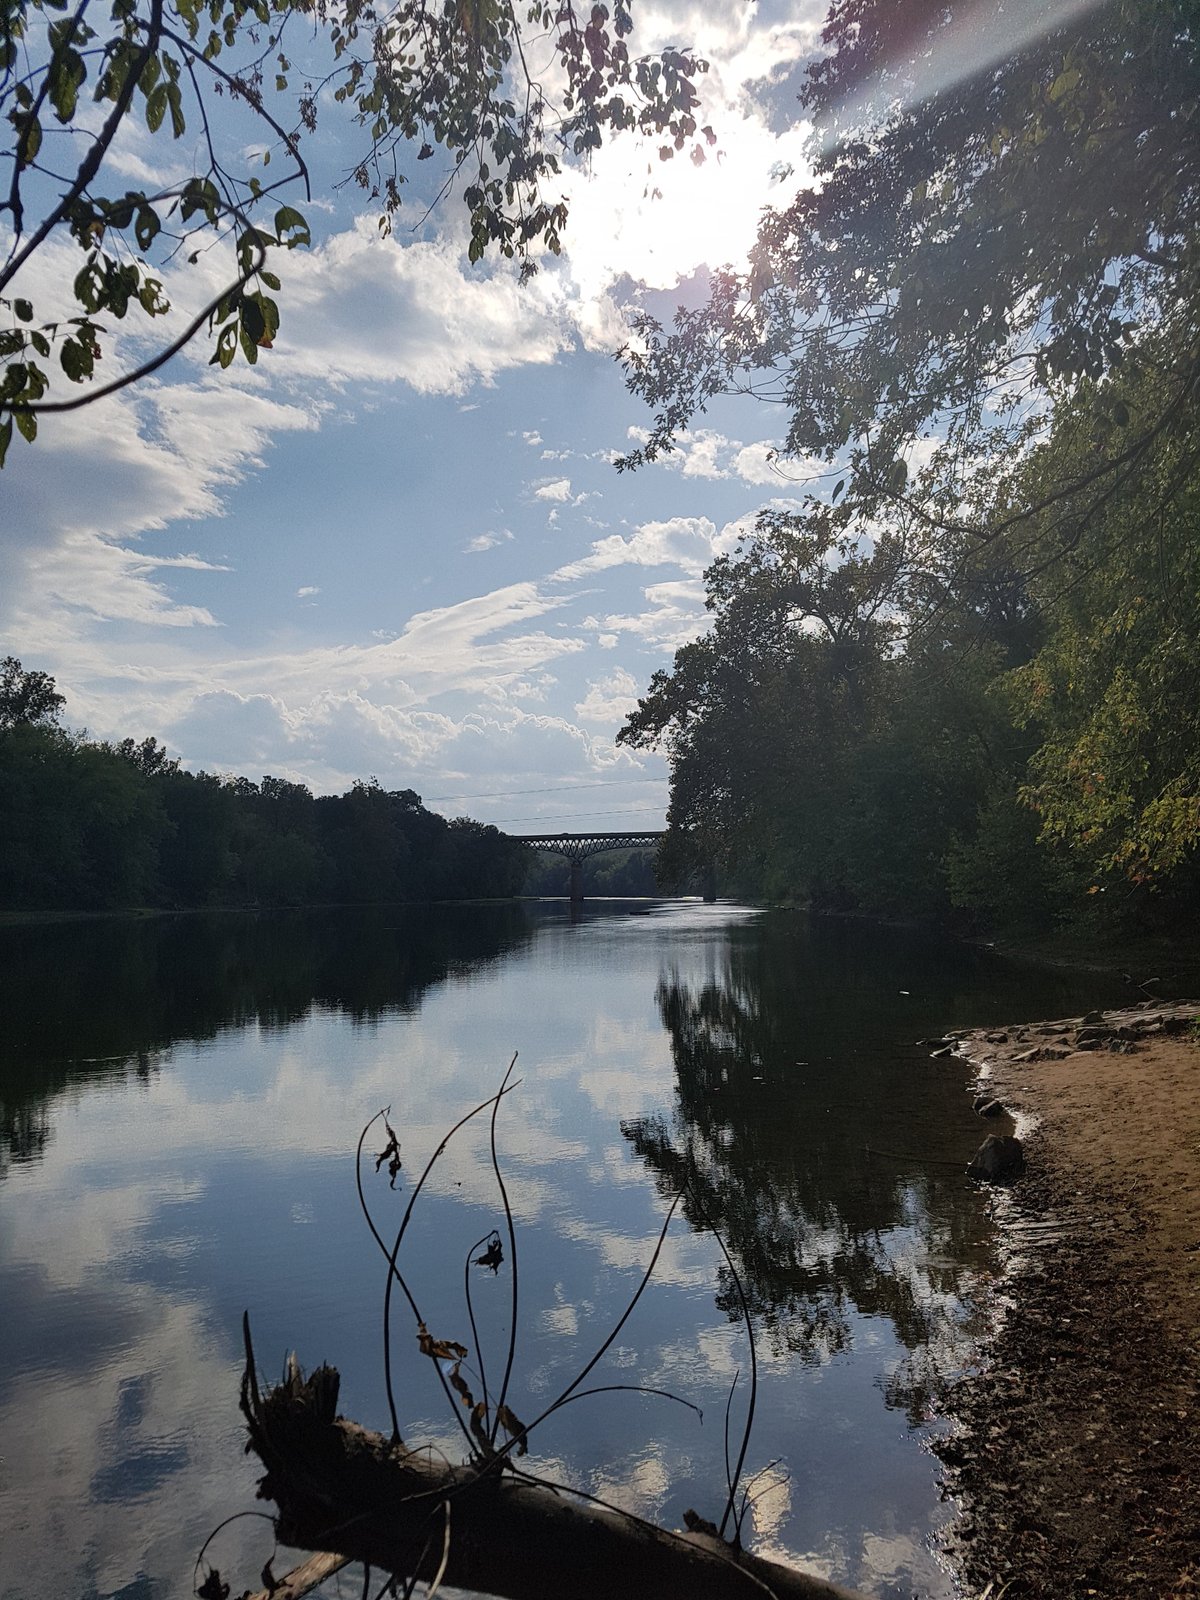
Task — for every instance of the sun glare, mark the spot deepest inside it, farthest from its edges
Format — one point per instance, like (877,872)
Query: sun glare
(658,221)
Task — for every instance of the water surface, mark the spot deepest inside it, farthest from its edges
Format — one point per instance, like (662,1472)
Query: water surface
(180,1100)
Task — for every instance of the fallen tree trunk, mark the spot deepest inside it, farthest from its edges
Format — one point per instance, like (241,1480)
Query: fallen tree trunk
(341,1489)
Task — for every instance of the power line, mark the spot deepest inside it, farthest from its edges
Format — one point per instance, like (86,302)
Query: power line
(579,816)
(552,788)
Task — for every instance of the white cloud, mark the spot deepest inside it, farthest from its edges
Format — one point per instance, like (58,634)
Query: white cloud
(609,700)
(134,634)
(358,307)
(674,615)
(487,541)
(97,479)
(690,543)
(705,453)
(558,489)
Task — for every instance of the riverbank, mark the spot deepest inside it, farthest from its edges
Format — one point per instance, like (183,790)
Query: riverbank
(1076,1454)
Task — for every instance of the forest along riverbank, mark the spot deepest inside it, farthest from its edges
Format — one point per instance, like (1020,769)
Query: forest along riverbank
(1077,1451)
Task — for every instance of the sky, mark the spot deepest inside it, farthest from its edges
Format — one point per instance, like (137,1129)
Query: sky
(397,547)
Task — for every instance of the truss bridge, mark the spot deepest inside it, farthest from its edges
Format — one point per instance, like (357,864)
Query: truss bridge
(578,846)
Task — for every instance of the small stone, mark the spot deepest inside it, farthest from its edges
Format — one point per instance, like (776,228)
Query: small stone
(998,1158)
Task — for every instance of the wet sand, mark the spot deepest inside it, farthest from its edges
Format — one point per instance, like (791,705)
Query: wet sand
(1077,1450)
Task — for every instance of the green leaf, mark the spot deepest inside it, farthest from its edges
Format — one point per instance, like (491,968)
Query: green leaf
(226,347)
(288,221)
(156,107)
(175,101)
(5,438)
(897,476)
(253,323)
(838,489)
(24,310)
(1064,84)
(27,424)
(146,227)
(29,141)
(76,362)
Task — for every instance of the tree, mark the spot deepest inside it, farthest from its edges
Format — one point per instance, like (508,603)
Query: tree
(1004,204)
(1112,693)
(241,75)
(763,717)
(27,698)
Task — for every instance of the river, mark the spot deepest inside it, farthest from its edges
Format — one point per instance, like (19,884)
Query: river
(180,1101)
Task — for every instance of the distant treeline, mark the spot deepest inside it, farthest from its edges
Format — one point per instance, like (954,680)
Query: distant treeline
(98,826)
(615,874)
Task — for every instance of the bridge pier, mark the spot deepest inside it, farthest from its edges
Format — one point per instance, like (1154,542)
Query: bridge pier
(578,846)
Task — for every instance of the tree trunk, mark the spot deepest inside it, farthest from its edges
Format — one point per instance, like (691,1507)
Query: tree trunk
(343,1490)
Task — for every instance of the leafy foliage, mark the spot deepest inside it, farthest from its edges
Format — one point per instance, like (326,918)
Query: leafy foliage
(967,678)
(1022,742)
(1113,693)
(1003,205)
(411,76)
(98,826)
(27,699)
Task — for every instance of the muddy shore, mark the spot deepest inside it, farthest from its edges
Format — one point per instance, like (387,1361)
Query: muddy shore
(1076,1446)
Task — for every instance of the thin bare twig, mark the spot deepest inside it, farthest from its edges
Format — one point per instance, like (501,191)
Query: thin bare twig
(512,1250)
(741,1293)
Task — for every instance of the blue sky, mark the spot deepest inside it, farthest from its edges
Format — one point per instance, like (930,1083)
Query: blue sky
(398,545)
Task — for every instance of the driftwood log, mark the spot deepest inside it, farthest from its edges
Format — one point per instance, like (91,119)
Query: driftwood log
(353,1494)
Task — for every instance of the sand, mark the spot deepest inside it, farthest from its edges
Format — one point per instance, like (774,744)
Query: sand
(1077,1451)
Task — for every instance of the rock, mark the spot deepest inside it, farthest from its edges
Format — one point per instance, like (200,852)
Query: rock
(998,1158)
(999,1037)
(981,1100)
(944,1043)
(990,1108)
(946,1050)
(1092,1016)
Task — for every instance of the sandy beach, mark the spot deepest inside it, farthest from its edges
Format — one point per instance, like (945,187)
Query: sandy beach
(1076,1454)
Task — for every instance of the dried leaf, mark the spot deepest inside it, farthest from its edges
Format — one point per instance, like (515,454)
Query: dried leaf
(493,1255)
(390,1154)
(479,1429)
(459,1384)
(214,1587)
(440,1349)
(514,1427)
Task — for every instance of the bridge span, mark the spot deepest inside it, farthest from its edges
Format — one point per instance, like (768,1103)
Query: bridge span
(578,846)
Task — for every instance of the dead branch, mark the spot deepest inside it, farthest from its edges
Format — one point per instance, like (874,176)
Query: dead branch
(346,1492)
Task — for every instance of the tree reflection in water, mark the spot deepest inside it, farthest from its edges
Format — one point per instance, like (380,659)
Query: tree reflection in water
(85,1002)
(830,1159)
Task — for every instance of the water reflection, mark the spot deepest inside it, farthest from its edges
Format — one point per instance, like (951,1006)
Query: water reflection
(180,1100)
(826,1150)
(87,1003)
